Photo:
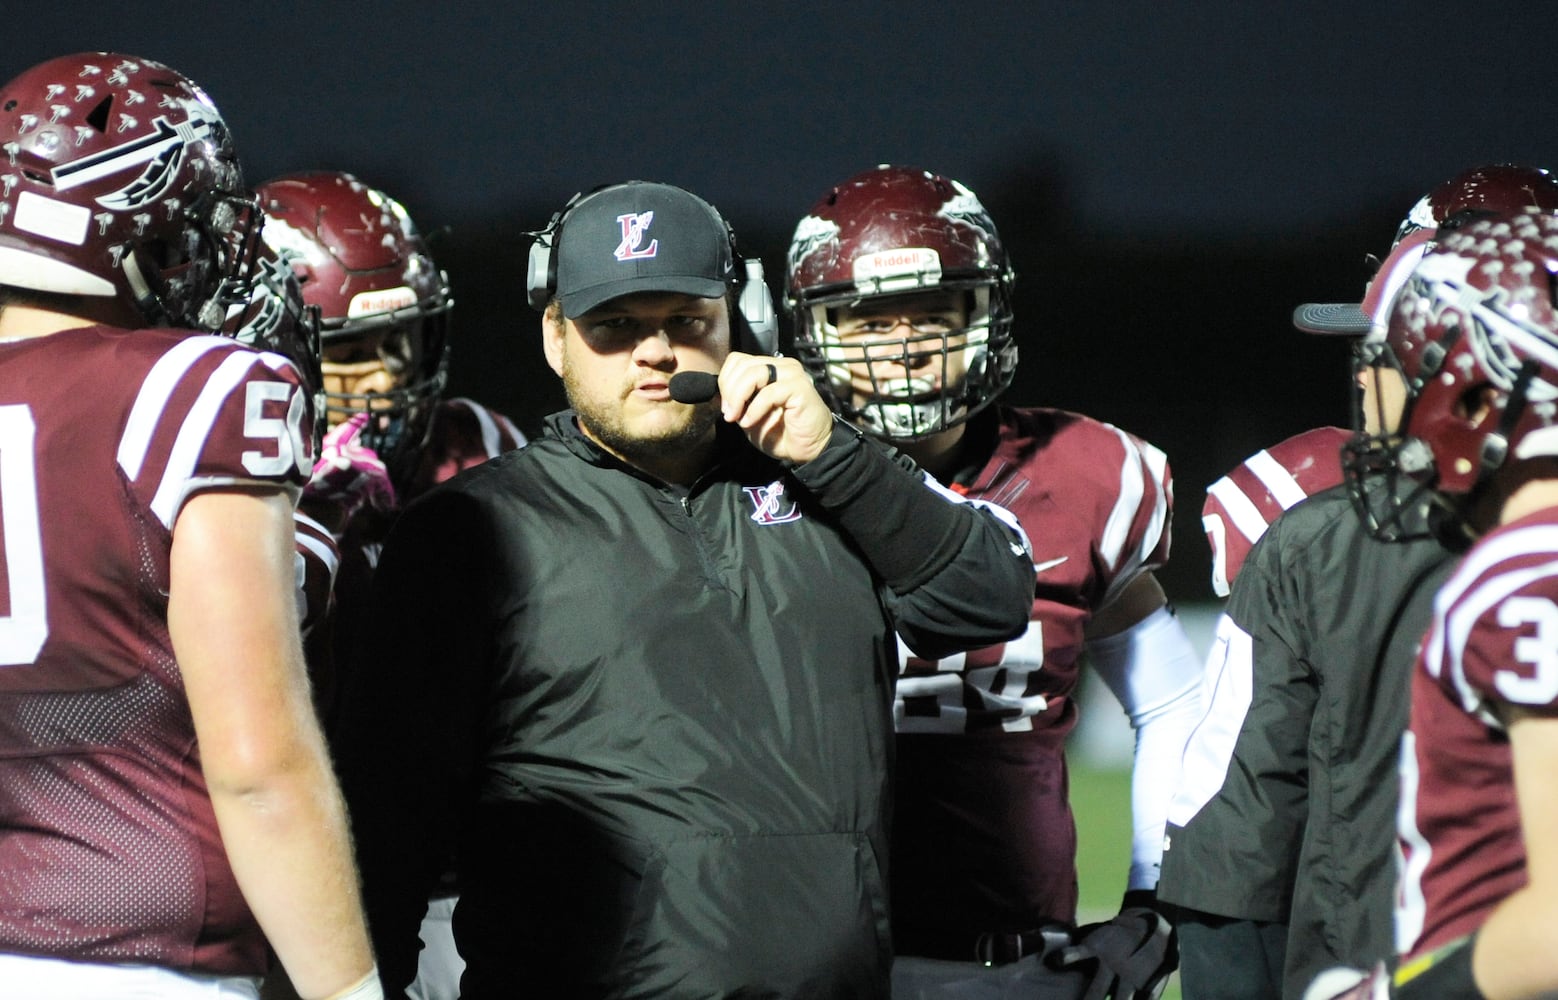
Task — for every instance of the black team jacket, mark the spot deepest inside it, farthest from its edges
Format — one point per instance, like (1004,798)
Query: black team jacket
(654,723)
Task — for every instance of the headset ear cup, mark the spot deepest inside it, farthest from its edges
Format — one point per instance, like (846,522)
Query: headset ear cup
(759,333)
(541,270)
(540,278)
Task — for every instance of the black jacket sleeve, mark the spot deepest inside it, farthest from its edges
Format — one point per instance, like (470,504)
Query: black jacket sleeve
(1237,856)
(959,574)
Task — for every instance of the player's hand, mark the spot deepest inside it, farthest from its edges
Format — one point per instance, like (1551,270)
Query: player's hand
(1130,957)
(774,401)
(349,474)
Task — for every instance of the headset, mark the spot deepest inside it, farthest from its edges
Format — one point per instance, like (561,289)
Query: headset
(754,322)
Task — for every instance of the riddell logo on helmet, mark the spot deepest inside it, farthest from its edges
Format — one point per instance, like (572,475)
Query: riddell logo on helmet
(917,264)
(386,300)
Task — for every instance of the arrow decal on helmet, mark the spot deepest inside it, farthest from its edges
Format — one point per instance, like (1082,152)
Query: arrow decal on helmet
(162,151)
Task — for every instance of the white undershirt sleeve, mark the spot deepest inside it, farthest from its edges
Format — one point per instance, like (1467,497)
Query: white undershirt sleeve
(1155,673)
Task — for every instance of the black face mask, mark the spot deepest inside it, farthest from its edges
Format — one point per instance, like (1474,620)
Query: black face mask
(1389,476)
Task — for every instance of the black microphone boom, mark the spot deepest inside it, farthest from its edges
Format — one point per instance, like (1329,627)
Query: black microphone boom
(693,387)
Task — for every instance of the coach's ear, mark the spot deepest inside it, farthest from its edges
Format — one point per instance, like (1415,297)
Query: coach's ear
(553,328)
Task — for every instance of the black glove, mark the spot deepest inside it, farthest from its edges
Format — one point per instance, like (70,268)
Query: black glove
(1130,957)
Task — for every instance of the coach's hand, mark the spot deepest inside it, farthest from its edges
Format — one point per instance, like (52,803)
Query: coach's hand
(1130,957)
(774,401)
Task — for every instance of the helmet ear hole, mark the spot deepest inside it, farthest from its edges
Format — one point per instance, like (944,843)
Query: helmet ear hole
(162,253)
(1477,403)
(98,116)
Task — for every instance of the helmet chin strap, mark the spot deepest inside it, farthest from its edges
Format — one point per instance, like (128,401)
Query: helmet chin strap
(145,299)
(151,306)
(1495,447)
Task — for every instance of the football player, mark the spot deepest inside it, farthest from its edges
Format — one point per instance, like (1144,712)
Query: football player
(900,292)
(384,307)
(384,315)
(1473,347)
(1288,789)
(169,806)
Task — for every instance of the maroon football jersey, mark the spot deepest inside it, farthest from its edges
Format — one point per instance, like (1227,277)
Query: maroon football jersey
(464,433)
(1241,506)
(1491,643)
(109,850)
(990,726)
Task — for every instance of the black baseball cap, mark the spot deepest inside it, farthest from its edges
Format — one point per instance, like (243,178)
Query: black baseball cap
(1368,318)
(641,236)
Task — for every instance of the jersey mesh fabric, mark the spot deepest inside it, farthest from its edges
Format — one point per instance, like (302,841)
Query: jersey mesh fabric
(109,850)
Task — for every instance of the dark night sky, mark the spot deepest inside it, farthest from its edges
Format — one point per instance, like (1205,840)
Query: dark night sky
(1170,178)
(1233,118)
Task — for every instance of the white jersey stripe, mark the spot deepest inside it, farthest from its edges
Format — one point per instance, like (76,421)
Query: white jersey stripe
(25,627)
(1494,550)
(1284,488)
(1245,515)
(1116,532)
(1157,464)
(177,476)
(491,436)
(160,382)
(1411,909)
(1487,554)
(321,550)
(1446,641)
(1117,529)
(490,441)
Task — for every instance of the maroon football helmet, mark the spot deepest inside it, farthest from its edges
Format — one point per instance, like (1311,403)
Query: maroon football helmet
(1475,323)
(118,179)
(384,305)
(886,232)
(1393,508)
(1499,187)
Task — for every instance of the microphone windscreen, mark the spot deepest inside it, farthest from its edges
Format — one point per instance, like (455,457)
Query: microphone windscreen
(693,387)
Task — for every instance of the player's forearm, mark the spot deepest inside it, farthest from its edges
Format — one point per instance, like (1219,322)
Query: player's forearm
(1513,957)
(1155,674)
(287,840)
(1160,750)
(233,622)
